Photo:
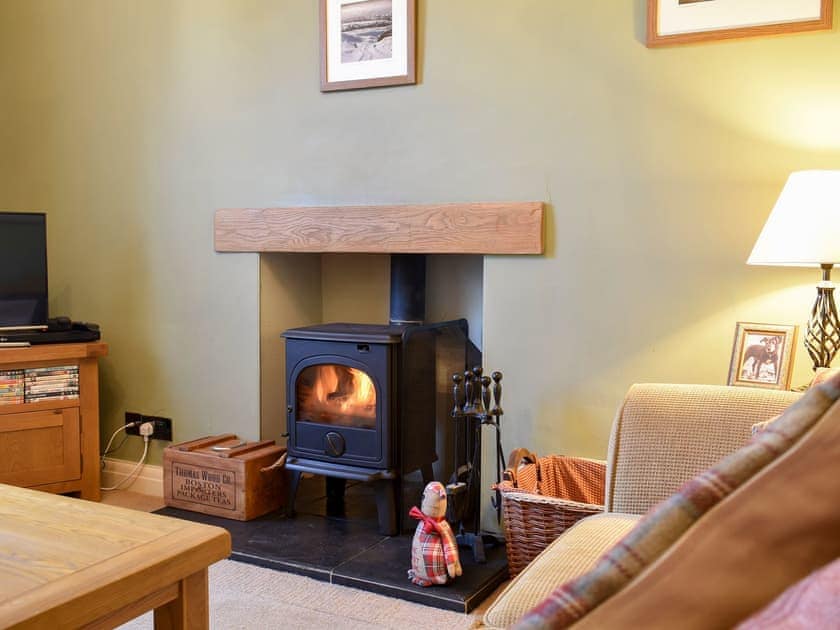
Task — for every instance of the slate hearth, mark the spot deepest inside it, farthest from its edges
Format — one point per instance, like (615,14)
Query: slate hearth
(341,545)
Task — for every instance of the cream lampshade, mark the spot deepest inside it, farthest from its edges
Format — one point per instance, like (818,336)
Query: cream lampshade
(803,230)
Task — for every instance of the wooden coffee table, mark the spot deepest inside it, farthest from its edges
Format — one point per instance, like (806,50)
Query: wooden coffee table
(68,563)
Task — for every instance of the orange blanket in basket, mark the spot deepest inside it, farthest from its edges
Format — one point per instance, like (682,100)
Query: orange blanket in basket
(572,478)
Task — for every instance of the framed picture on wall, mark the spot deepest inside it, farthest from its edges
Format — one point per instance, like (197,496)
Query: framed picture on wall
(690,21)
(367,43)
(762,355)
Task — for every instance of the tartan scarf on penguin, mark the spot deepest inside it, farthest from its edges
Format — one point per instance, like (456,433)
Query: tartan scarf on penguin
(434,552)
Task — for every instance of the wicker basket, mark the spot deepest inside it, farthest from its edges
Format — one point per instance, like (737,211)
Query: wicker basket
(542,497)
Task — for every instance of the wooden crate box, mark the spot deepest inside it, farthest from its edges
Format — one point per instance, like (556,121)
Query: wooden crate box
(224,476)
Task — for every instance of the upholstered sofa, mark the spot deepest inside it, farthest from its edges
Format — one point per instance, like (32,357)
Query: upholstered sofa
(662,436)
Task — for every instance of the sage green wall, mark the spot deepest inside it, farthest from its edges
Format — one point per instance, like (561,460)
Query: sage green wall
(290,296)
(131,121)
(661,167)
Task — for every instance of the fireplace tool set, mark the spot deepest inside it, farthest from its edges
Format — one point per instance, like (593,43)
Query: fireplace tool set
(473,411)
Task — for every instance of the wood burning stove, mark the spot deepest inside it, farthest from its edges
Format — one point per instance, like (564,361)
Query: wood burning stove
(363,403)
(363,400)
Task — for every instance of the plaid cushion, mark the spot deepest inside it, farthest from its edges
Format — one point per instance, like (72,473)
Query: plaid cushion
(823,374)
(666,522)
(758,427)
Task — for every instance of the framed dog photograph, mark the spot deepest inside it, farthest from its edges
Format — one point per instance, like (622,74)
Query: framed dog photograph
(367,43)
(762,355)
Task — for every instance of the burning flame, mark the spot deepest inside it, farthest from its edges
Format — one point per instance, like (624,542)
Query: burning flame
(337,394)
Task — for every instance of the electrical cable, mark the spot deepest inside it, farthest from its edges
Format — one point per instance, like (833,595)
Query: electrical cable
(111,441)
(119,445)
(136,466)
(146,430)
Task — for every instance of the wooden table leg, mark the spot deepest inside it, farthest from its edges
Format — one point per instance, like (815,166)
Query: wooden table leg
(191,610)
(89,386)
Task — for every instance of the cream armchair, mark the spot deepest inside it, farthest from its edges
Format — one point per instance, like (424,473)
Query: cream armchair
(662,436)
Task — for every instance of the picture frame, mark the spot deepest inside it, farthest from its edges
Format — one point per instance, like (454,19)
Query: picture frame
(762,355)
(367,43)
(671,22)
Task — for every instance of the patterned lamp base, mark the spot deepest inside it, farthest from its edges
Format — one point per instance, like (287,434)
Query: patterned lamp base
(822,338)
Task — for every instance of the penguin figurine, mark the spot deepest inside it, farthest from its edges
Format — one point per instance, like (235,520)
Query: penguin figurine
(434,552)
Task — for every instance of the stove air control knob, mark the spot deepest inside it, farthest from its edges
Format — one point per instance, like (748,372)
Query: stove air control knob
(334,444)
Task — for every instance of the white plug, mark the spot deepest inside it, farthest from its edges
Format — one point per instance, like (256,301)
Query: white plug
(147,429)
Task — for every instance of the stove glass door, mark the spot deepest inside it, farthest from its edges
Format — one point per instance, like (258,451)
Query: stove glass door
(337,395)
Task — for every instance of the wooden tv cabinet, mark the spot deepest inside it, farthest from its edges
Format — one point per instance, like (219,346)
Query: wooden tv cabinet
(53,445)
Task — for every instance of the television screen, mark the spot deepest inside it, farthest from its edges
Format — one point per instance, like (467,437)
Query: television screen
(23,269)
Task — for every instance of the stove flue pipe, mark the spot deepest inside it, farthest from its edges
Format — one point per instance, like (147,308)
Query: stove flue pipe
(408,288)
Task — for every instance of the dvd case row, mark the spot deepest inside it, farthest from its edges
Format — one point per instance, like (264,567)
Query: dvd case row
(38,384)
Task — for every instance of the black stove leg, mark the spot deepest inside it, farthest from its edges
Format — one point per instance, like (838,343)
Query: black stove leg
(386,506)
(335,495)
(335,488)
(294,480)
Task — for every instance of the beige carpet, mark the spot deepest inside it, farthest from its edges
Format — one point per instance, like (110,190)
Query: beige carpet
(245,596)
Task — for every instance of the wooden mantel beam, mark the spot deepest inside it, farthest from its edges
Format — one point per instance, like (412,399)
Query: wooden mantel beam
(454,228)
